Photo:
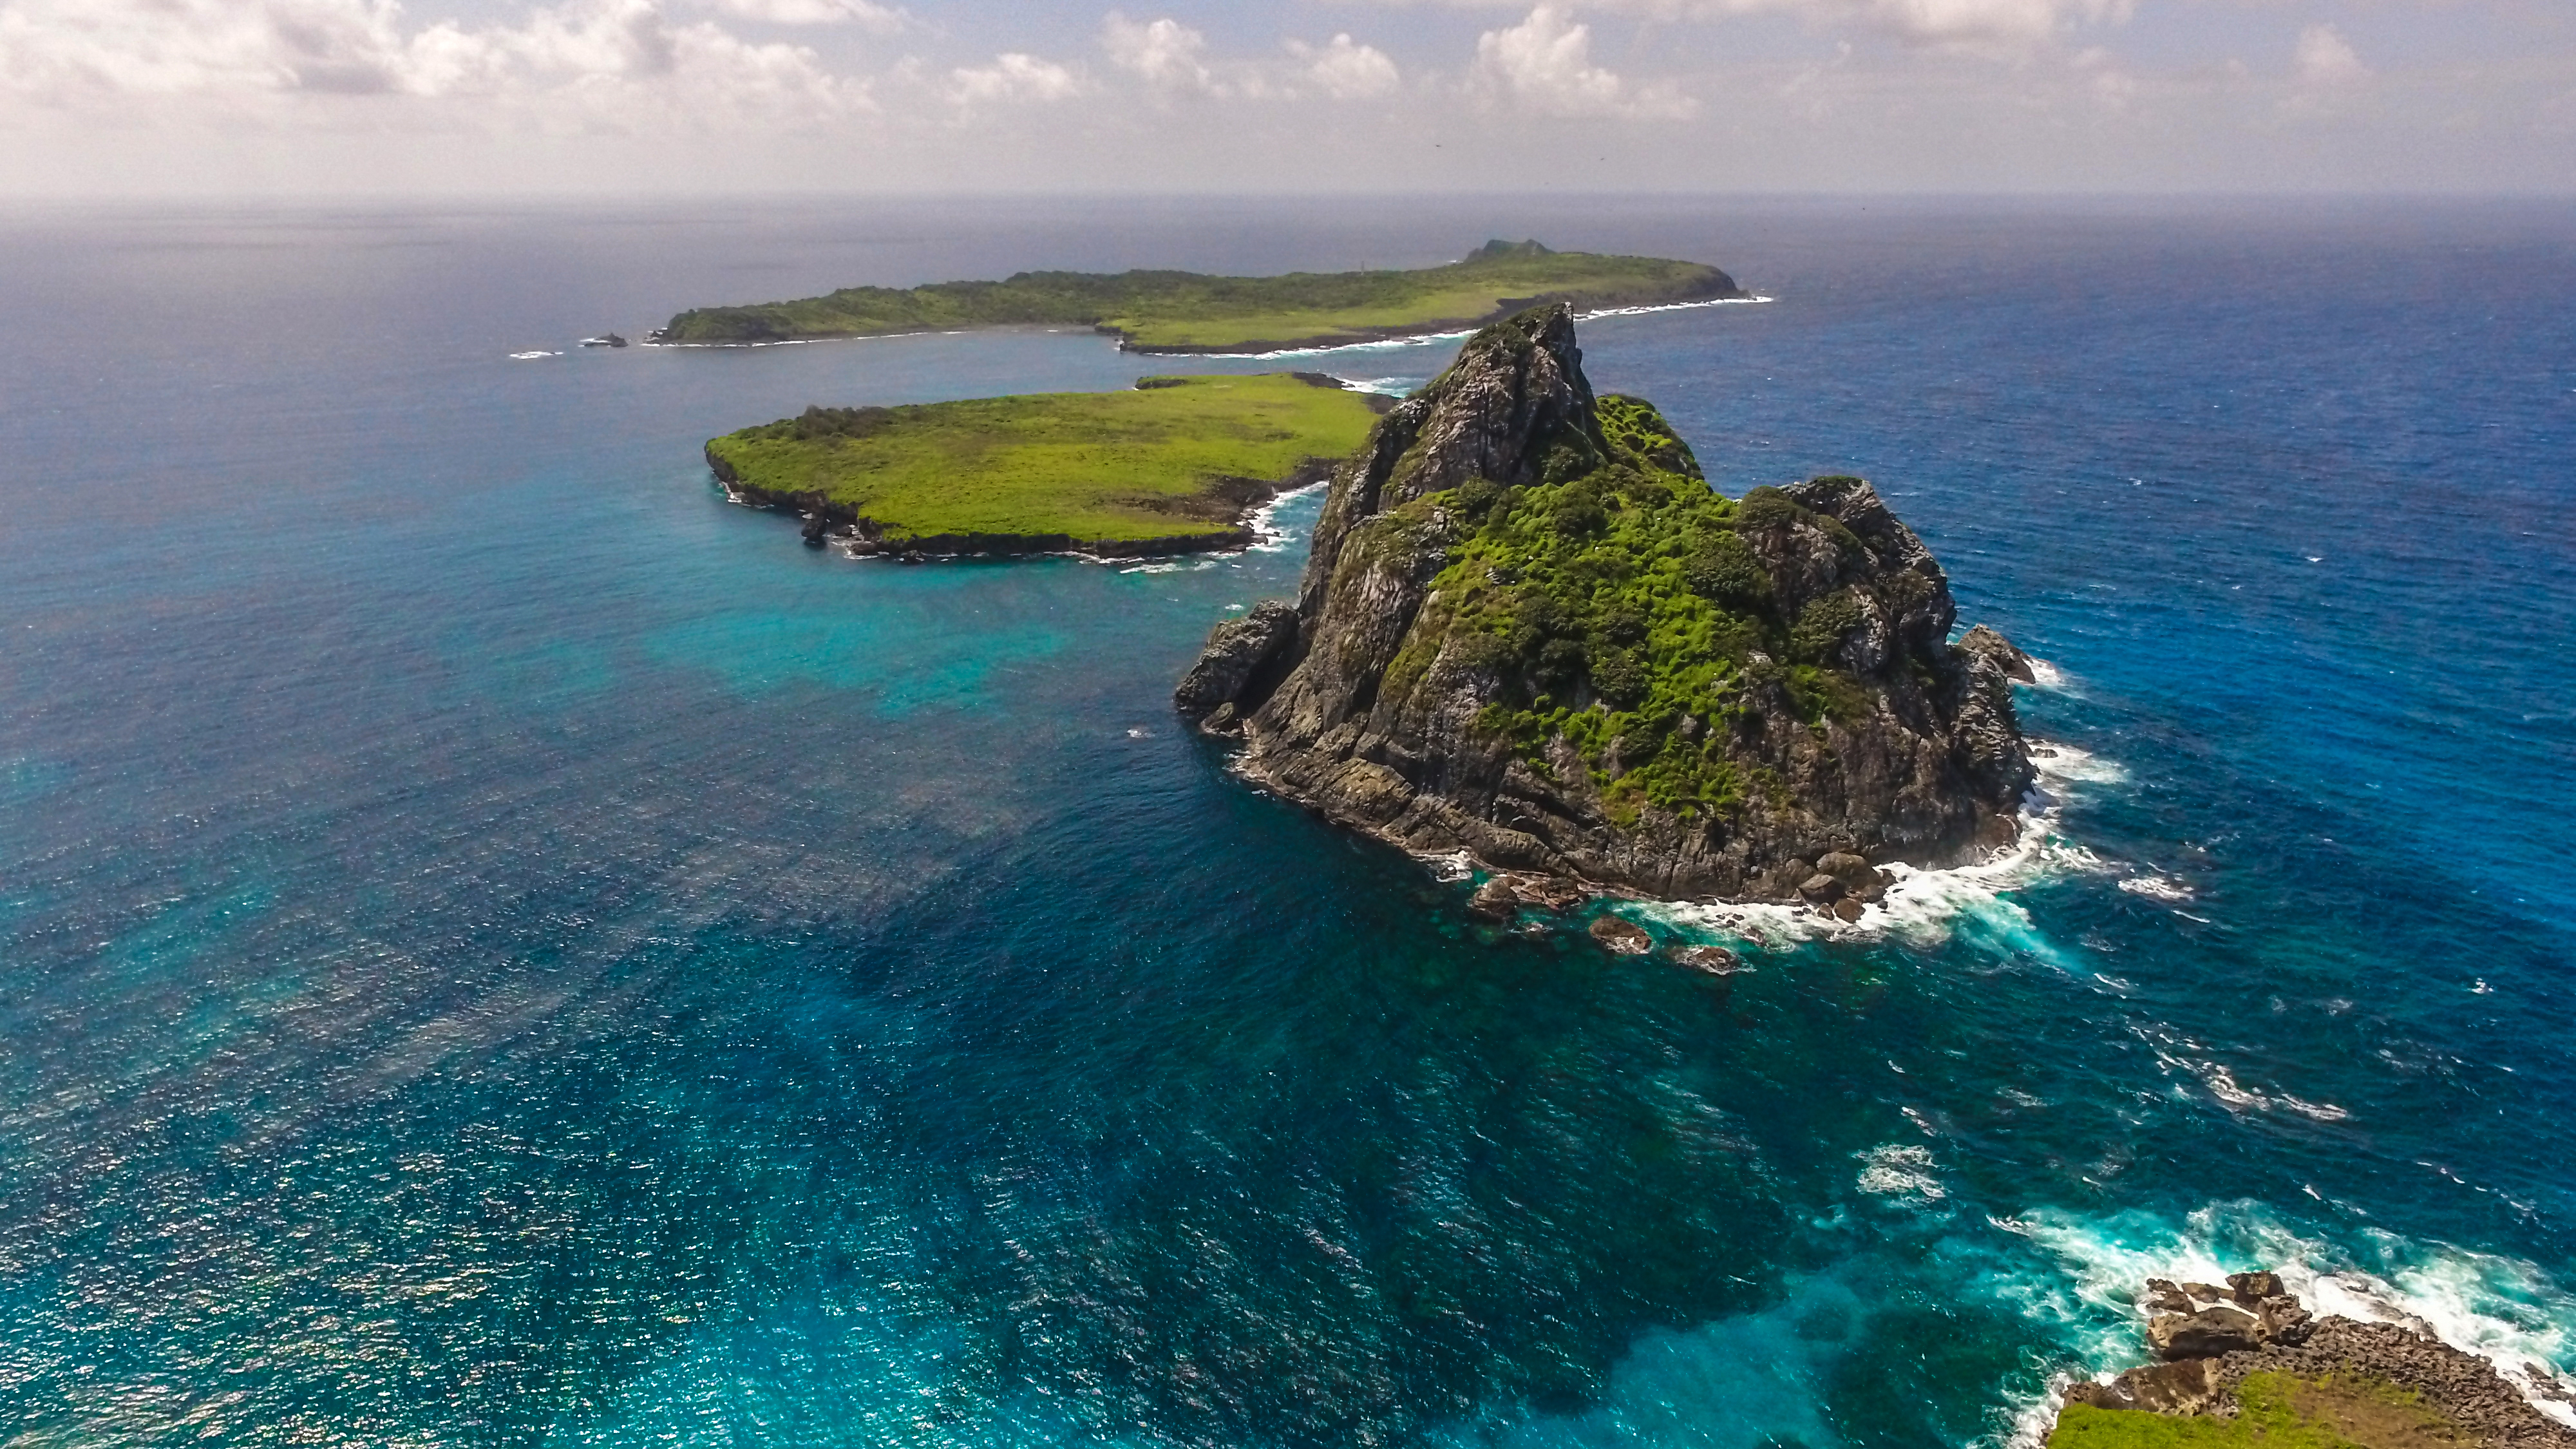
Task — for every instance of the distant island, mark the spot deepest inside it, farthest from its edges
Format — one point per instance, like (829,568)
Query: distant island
(1173,466)
(1529,631)
(1186,312)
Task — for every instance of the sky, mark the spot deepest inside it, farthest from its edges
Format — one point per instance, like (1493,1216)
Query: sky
(322,98)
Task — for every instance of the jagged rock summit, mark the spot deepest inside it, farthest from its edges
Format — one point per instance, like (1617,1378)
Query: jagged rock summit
(1530,631)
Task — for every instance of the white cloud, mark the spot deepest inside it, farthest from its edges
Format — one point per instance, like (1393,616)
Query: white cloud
(813,12)
(1992,26)
(618,54)
(1165,52)
(1013,78)
(2325,59)
(1545,64)
(1346,70)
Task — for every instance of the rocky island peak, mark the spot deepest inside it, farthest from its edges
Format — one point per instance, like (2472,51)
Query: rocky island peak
(1530,631)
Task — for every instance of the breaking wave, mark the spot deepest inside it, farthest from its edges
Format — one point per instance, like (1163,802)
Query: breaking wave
(2504,1310)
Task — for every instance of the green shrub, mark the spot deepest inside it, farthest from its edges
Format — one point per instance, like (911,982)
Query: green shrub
(1821,627)
(1724,571)
(1767,508)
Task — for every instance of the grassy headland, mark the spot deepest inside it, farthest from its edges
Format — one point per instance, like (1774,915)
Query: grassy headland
(1172,465)
(1189,312)
(2275,1411)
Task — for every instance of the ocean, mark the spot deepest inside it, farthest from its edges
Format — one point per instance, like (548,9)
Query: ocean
(498,946)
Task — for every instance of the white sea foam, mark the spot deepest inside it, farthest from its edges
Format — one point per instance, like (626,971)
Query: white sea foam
(2184,1057)
(2156,888)
(1387,386)
(1903,1171)
(2503,1309)
(1923,906)
(2044,675)
(2063,764)
(1269,535)
(530,356)
(1171,566)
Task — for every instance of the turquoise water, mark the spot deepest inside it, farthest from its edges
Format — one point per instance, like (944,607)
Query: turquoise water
(497,946)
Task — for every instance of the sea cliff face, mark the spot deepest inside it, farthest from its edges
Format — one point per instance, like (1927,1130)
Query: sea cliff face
(1528,630)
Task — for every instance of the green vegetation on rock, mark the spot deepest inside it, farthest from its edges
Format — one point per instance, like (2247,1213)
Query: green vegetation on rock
(1623,598)
(2274,1411)
(1175,459)
(1162,311)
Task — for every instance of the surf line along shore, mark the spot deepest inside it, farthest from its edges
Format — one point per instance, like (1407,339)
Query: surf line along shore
(1173,465)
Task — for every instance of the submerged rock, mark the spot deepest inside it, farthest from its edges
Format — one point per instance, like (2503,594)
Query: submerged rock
(1529,631)
(1624,938)
(1714,960)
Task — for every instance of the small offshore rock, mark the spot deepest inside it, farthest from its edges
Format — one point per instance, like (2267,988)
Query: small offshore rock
(1715,960)
(1625,938)
(1847,909)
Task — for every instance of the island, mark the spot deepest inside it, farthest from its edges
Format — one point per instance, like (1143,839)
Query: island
(1186,312)
(1174,465)
(1531,634)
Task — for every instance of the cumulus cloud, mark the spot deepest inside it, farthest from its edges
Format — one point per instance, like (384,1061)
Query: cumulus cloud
(1346,70)
(613,52)
(1545,64)
(1165,52)
(1013,79)
(813,12)
(2324,59)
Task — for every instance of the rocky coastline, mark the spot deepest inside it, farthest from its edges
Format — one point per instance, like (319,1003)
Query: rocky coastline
(1529,633)
(2209,1340)
(825,524)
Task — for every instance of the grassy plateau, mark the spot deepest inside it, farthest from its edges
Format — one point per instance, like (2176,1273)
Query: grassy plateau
(2274,1411)
(1177,459)
(1189,312)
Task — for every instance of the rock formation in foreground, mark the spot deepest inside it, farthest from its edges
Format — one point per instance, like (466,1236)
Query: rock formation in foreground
(1528,630)
(2375,1385)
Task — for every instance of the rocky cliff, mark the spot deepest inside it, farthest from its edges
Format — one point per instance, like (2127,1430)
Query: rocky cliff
(1529,630)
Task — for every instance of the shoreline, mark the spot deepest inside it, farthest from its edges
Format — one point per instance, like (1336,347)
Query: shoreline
(853,535)
(1387,337)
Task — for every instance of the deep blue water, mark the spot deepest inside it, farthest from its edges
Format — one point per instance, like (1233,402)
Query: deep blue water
(499,947)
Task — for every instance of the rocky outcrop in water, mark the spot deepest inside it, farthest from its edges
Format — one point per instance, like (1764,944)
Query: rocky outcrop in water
(1529,631)
(2211,1339)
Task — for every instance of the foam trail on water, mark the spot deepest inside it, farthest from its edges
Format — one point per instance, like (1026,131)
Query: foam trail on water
(2504,1310)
